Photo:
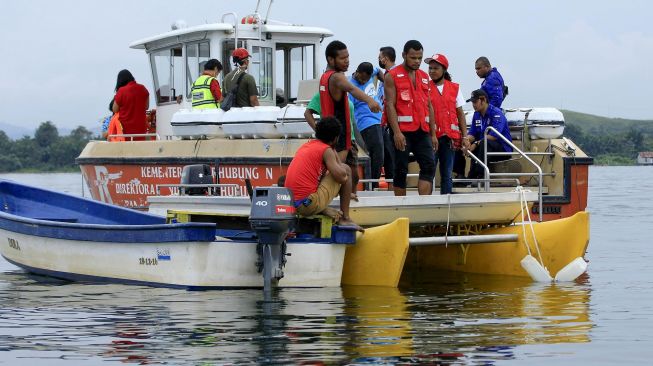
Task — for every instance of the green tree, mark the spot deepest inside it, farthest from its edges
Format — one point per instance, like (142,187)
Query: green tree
(81,133)
(10,163)
(46,134)
(635,138)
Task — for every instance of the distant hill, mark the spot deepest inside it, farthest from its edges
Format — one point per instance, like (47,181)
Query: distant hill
(590,123)
(16,132)
(611,141)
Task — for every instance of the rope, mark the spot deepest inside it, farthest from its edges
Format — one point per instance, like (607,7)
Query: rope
(522,198)
(528,214)
(446,233)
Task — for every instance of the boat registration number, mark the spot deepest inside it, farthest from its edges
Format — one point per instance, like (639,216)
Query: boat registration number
(13,243)
(145,261)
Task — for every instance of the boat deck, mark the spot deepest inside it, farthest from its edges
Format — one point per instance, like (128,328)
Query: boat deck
(377,208)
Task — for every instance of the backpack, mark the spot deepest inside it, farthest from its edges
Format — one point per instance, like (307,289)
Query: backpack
(230,98)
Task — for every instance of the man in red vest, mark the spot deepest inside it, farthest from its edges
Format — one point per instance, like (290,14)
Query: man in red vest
(410,116)
(334,100)
(316,175)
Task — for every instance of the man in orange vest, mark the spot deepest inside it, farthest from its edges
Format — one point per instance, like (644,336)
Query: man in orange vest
(410,116)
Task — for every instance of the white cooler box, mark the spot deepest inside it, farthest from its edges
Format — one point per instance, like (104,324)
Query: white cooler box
(545,123)
(291,123)
(197,123)
(251,123)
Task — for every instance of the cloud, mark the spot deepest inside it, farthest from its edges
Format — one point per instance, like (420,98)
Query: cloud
(582,53)
(600,72)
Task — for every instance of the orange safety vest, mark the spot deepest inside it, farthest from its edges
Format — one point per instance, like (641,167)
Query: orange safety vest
(328,105)
(444,105)
(115,128)
(411,102)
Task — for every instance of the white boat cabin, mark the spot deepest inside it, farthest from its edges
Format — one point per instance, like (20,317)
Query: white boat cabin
(282,56)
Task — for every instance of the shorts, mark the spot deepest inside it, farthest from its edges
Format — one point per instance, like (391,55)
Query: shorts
(419,143)
(327,190)
(352,156)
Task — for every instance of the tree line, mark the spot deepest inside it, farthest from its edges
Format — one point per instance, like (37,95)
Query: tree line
(47,151)
(609,141)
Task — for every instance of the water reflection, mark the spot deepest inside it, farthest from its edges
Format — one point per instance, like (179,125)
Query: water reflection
(486,316)
(456,319)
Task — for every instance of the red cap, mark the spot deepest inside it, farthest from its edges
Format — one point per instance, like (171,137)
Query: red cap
(241,53)
(439,58)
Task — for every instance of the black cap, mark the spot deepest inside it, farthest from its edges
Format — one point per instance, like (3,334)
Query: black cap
(477,94)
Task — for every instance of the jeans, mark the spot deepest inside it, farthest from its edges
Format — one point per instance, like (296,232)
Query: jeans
(445,155)
(373,137)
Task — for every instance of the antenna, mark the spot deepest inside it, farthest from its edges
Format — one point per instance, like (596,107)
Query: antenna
(258,3)
(265,21)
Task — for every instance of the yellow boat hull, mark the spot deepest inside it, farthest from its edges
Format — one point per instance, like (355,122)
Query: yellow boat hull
(560,242)
(378,257)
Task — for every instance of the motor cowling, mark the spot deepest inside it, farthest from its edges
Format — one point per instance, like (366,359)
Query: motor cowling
(272,217)
(196,174)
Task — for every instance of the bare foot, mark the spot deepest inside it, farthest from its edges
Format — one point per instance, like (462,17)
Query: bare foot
(332,213)
(348,222)
(354,197)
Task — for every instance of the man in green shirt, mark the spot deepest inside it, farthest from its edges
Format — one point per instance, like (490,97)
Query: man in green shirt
(314,107)
(247,93)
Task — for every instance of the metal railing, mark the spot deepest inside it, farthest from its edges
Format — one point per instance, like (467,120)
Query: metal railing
(132,135)
(235,26)
(539,173)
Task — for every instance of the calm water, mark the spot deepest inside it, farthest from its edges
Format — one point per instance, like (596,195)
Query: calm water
(448,320)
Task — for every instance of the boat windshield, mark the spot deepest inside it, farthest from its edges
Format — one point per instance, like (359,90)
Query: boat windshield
(197,54)
(295,62)
(168,73)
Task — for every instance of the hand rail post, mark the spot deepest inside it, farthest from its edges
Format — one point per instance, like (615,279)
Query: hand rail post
(539,169)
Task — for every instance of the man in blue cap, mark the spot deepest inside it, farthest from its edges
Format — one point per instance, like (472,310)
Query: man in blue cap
(486,115)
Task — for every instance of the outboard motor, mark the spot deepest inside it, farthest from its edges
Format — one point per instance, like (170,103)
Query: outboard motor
(196,174)
(272,217)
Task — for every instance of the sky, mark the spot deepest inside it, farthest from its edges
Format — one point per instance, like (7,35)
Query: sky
(61,57)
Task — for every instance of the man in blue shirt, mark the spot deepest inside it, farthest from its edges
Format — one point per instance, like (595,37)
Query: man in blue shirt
(486,115)
(366,78)
(493,83)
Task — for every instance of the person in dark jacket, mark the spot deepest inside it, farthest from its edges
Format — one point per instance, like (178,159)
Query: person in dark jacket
(492,83)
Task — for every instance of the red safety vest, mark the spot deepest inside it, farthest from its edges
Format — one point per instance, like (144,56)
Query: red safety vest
(328,105)
(444,105)
(411,102)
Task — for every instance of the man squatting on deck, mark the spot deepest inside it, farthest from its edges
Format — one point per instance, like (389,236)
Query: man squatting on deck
(316,175)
